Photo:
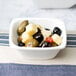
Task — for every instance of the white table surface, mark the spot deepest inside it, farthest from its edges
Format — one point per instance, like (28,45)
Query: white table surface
(10,9)
(65,57)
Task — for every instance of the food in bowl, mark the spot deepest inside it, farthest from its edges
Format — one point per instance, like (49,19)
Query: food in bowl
(34,35)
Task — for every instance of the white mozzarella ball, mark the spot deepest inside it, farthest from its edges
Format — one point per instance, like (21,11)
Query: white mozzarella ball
(26,37)
(31,29)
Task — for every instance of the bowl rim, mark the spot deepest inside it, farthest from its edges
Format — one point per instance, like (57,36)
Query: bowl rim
(35,48)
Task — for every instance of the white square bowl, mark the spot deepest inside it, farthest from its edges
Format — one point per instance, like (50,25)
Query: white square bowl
(36,52)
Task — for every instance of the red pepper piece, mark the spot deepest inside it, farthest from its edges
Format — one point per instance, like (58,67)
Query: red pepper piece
(49,39)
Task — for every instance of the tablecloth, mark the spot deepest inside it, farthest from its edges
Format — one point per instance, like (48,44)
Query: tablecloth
(18,69)
(37,70)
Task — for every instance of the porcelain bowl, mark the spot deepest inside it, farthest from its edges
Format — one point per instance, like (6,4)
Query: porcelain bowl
(35,52)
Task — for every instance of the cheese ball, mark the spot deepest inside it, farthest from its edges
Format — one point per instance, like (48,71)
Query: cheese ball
(25,37)
(31,29)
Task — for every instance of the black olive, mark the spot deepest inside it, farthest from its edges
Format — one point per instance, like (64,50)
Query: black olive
(21,44)
(57,31)
(45,44)
(38,36)
(47,29)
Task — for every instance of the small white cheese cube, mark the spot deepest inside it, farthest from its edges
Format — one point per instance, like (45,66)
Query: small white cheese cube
(57,39)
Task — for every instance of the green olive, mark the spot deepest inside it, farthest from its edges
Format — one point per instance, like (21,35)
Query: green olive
(21,27)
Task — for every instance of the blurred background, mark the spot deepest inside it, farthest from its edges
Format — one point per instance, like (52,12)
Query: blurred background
(10,9)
